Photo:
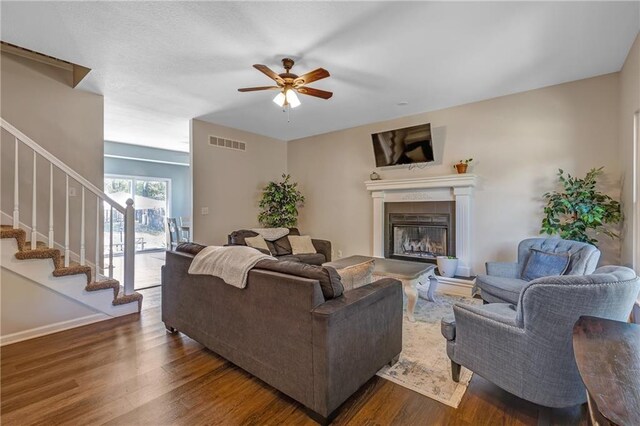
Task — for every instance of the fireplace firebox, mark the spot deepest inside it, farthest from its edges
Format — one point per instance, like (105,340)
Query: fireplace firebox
(419,237)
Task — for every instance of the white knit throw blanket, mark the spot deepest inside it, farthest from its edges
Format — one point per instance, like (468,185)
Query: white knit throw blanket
(271,234)
(232,263)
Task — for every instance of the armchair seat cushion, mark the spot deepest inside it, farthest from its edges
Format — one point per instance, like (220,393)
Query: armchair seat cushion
(501,288)
(311,258)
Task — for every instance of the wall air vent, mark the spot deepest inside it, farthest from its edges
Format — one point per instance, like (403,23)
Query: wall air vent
(227,143)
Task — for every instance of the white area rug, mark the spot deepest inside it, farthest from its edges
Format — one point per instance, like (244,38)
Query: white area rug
(424,366)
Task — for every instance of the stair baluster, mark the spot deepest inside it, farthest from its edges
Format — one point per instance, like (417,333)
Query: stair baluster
(97,268)
(66,222)
(16,186)
(34,216)
(111,243)
(51,241)
(82,245)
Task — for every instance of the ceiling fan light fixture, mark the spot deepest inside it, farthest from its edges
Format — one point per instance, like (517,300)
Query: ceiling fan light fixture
(292,98)
(279,99)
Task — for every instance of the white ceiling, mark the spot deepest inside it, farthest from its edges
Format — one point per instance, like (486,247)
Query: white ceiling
(160,64)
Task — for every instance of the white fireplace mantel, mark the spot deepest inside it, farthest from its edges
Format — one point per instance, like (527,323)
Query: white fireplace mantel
(458,188)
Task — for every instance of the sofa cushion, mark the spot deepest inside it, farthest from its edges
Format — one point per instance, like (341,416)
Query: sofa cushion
(301,244)
(328,277)
(505,289)
(544,264)
(311,259)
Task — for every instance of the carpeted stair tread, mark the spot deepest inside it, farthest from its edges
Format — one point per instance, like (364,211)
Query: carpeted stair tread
(123,299)
(104,285)
(73,269)
(7,231)
(39,244)
(38,253)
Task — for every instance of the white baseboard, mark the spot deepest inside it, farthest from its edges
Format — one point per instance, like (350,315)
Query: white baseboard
(51,328)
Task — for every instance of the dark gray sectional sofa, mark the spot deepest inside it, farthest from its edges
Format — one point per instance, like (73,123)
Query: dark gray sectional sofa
(316,348)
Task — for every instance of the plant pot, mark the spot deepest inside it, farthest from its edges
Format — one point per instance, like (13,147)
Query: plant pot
(461,168)
(447,267)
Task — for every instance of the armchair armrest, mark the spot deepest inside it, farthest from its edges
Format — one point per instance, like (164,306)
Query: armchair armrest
(354,335)
(502,269)
(503,313)
(323,247)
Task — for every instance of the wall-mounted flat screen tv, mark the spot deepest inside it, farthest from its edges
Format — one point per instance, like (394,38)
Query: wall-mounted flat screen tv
(403,146)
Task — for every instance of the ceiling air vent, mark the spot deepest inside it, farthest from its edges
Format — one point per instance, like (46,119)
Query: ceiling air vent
(227,143)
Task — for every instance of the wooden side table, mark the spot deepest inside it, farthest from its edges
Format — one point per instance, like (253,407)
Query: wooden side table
(608,357)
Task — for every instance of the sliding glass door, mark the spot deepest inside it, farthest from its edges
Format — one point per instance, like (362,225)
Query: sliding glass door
(151,201)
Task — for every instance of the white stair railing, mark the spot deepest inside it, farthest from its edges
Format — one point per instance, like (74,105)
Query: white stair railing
(127,213)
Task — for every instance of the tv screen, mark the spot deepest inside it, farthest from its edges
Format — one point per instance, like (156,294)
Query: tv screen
(403,146)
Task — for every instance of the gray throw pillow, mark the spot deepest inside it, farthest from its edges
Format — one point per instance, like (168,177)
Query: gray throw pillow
(544,264)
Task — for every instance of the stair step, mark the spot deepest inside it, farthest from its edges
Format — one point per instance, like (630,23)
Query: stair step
(123,299)
(39,244)
(38,253)
(7,231)
(73,269)
(104,285)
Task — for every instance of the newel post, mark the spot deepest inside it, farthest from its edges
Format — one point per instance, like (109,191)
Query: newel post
(129,247)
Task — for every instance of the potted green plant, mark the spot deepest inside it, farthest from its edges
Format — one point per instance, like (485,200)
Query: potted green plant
(279,204)
(447,265)
(579,211)
(462,165)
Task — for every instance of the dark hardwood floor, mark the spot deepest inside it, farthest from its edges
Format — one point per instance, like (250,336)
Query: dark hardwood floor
(129,371)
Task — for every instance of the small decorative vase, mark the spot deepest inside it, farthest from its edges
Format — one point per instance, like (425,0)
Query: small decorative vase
(447,267)
(374,176)
(461,168)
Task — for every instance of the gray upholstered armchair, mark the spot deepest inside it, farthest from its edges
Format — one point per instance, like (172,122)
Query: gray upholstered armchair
(527,350)
(503,281)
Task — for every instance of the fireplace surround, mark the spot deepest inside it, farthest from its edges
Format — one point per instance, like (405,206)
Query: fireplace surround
(454,189)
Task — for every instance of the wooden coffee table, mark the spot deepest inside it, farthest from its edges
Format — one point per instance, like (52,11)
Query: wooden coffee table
(608,358)
(409,273)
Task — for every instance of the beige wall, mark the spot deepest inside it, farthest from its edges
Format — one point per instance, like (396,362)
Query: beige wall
(629,105)
(26,305)
(37,99)
(230,182)
(518,143)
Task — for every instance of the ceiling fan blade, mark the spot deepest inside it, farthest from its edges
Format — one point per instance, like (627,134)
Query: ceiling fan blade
(268,72)
(253,89)
(311,76)
(314,92)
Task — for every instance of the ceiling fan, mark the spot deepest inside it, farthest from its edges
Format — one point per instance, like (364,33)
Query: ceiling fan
(288,84)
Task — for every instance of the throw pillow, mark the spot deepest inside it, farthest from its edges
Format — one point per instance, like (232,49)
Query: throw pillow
(544,264)
(257,242)
(301,244)
(356,276)
(282,246)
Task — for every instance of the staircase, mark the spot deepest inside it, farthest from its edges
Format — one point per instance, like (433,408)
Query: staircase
(42,259)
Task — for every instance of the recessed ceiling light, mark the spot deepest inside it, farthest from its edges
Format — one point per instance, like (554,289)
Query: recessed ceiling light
(403,103)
